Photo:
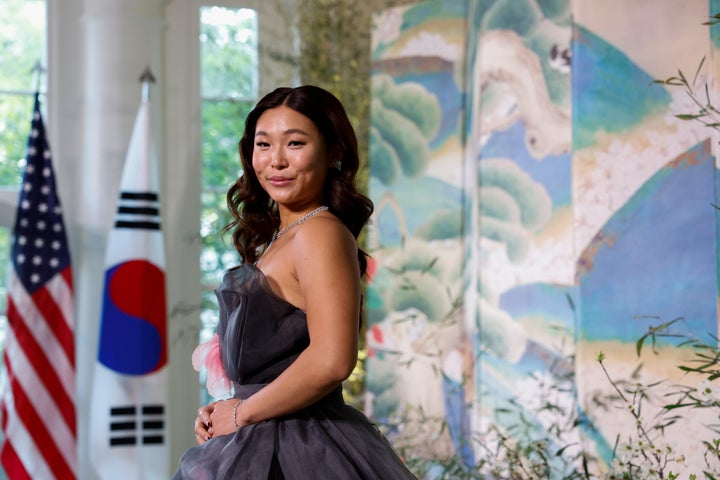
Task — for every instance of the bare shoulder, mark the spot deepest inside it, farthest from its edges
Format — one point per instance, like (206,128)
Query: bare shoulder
(326,267)
(324,239)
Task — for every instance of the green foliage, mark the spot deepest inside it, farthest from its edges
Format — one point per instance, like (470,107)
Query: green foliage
(654,333)
(521,14)
(511,205)
(441,226)
(545,439)
(499,204)
(521,450)
(705,110)
(223,122)
(228,53)
(15,118)
(386,164)
(222,128)
(421,291)
(650,453)
(411,100)
(500,333)
(512,235)
(22,40)
(554,9)
(375,308)
(22,45)
(228,78)
(353,386)
(417,256)
(404,118)
(534,204)
(403,136)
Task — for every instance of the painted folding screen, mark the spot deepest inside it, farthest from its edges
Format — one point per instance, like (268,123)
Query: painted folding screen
(537,203)
(419,345)
(644,190)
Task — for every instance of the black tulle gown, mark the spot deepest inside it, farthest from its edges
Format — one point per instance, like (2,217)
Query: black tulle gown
(260,335)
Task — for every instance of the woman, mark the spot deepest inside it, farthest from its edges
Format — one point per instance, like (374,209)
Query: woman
(289,315)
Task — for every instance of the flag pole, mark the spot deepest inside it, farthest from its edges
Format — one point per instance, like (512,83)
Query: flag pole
(38,71)
(146,78)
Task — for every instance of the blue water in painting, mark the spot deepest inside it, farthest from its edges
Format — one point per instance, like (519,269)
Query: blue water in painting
(658,257)
(610,92)
(553,171)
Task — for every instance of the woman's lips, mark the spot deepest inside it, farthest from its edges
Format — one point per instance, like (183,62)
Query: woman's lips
(279,181)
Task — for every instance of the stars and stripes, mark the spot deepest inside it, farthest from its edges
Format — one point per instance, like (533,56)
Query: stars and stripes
(38,401)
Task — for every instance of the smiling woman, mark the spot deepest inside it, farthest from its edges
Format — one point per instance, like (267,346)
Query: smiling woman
(290,315)
(289,159)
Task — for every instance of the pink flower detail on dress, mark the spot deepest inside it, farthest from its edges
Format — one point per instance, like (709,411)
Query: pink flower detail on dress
(207,355)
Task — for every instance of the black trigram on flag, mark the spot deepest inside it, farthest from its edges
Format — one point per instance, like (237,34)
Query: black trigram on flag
(131,425)
(138,210)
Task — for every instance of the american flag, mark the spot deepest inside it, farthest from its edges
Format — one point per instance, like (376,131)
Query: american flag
(38,401)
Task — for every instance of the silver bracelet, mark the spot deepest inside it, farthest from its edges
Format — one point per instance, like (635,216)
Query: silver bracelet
(235,412)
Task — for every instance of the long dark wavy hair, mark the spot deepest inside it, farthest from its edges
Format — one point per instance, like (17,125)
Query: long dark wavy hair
(255,214)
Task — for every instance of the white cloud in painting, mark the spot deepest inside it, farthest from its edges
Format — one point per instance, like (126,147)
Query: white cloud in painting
(428,44)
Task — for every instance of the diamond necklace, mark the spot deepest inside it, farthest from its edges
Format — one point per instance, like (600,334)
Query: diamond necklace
(308,215)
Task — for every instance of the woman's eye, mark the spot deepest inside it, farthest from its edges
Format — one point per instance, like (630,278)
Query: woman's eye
(296,143)
(261,144)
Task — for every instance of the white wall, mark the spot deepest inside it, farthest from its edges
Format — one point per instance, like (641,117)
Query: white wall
(97,51)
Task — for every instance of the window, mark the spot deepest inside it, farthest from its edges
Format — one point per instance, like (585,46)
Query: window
(22,40)
(23,45)
(229,86)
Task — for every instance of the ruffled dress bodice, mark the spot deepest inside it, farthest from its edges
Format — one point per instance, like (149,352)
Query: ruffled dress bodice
(260,335)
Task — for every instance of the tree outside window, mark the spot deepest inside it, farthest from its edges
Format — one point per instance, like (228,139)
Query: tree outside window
(229,89)
(22,46)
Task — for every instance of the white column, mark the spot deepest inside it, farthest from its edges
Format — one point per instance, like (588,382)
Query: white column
(182,215)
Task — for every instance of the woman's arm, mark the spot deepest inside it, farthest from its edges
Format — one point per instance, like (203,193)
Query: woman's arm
(325,266)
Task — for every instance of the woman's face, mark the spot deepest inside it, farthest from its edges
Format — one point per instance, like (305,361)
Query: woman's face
(290,158)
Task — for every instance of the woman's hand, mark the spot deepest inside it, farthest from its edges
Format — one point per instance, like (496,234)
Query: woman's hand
(203,423)
(224,417)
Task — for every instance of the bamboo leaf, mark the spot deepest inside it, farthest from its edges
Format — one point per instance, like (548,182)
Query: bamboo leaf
(639,344)
(697,72)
